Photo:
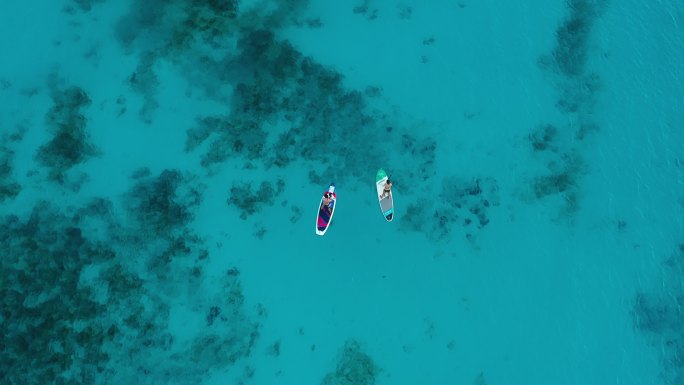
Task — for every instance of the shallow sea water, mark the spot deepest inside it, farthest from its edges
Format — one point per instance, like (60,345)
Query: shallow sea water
(160,163)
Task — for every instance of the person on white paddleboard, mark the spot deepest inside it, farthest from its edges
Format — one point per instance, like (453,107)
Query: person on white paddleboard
(327,198)
(387,191)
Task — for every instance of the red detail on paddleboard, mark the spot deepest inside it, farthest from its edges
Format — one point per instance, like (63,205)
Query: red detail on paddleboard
(324,213)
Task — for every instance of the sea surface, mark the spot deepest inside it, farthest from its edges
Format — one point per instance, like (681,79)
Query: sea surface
(162,161)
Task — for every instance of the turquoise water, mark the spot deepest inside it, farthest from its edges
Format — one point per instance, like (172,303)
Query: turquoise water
(162,162)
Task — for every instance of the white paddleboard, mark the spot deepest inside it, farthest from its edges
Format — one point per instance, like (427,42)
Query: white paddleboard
(323,220)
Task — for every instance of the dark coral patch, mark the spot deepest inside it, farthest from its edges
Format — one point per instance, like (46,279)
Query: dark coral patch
(9,188)
(658,315)
(423,151)
(471,200)
(572,36)
(145,82)
(250,201)
(70,144)
(75,309)
(462,205)
(561,178)
(87,5)
(164,203)
(579,95)
(543,138)
(229,137)
(354,367)
(42,300)
(274,83)
(578,86)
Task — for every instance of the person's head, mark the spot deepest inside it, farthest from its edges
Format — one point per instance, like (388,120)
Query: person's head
(327,196)
(388,181)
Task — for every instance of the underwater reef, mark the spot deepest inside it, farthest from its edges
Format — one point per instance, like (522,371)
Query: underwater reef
(577,84)
(658,315)
(559,145)
(88,292)
(87,5)
(260,79)
(462,209)
(274,82)
(277,106)
(354,367)
(144,81)
(573,35)
(9,188)
(250,202)
(70,144)
(231,138)
(564,168)
(163,203)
